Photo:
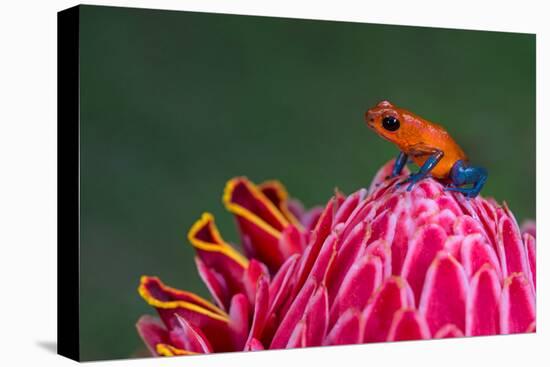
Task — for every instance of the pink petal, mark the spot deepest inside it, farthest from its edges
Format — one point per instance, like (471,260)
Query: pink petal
(529,226)
(152,332)
(422,250)
(383,227)
(514,252)
(448,331)
(530,249)
(400,244)
(428,188)
(252,274)
(189,338)
(316,317)
(447,202)
(291,242)
(216,284)
(349,205)
(346,257)
(393,296)
(293,315)
(453,245)
(318,236)
(381,176)
(347,330)
(445,219)
(443,299)
(310,218)
(260,310)
(475,252)
(381,250)
(482,308)
(298,337)
(253,345)
(325,258)
(238,324)
(364,277)
(517,305)
(466,225)
(408,324)
(278,289)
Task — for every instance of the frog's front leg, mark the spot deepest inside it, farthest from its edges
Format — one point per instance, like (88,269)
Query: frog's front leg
(426,168)
(400,162)
(462,174)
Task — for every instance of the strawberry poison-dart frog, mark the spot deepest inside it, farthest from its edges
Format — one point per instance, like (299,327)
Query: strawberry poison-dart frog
(429,145)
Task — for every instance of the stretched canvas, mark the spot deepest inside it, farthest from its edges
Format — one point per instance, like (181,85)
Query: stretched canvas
(232,183)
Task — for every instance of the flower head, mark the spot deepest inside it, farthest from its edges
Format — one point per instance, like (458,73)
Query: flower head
(377,265)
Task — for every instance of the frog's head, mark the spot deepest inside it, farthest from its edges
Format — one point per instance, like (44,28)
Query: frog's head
(386,120)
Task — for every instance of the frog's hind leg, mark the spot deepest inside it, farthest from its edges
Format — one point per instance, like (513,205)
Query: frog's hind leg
(462,174)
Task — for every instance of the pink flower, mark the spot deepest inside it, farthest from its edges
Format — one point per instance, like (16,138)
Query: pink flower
(388,265)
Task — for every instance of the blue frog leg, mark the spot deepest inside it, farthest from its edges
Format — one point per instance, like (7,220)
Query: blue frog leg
(426,168)
(462,174)
(400,162)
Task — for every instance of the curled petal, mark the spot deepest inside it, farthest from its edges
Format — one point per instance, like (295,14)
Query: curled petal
(482,308)
(348,329)
(167,350)
(517,305)
(393,296)
(217,254)
(408,324)
(258,219)
(427,242)
(168,301)
(216,284)
(187,337)
(276,192)
(152,332)
(443,299)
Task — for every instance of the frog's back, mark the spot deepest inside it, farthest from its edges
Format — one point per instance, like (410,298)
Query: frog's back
(435,136)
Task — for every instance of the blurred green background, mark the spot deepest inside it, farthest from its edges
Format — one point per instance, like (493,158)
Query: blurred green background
(173,104)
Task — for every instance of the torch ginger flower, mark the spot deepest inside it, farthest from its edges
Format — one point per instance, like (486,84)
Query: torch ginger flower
(370,267)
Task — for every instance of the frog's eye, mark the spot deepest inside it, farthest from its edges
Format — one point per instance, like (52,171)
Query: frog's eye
(390,123)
